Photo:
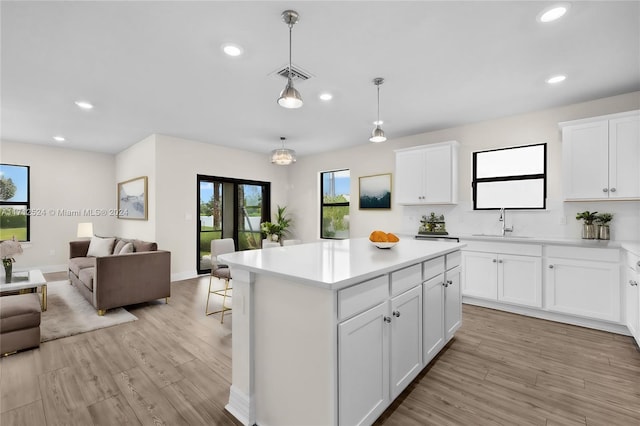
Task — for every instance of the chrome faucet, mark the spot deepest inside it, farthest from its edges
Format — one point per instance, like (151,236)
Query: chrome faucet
(503,219)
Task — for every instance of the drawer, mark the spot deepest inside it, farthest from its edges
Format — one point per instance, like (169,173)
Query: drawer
(633,262)
(405,279)
(584,253)
(432,267)
(360,297)
(454,259)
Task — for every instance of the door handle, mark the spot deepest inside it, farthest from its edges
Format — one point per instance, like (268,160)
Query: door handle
(633,283)
(612,190)
(386,319)
(396,314)
(550,266)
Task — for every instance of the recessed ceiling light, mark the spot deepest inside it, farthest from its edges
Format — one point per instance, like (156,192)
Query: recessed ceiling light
(232,49)
(84,105)
(556,79)
(326,96)
(554,12)
(59,138)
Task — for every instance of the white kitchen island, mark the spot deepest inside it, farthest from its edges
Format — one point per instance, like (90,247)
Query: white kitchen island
(329,333)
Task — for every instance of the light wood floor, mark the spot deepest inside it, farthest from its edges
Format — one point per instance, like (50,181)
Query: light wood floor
(173,367)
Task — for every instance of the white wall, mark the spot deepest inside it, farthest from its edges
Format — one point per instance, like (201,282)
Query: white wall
(179,161)
(135,161)
(63,182)
(542,126)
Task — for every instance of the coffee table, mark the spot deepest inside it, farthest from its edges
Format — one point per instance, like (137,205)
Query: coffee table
(26,282)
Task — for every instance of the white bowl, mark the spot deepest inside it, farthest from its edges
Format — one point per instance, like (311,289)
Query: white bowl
(383,245)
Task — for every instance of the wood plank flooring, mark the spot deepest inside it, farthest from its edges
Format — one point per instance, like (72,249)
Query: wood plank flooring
(173,367)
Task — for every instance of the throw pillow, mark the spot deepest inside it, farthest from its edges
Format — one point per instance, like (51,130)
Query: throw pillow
(118,247)
(100,247)
(127,248)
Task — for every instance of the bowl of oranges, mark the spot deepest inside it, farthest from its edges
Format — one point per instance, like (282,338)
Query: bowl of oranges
(383,240)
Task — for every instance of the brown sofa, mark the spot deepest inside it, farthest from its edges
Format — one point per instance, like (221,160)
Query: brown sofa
(117,280)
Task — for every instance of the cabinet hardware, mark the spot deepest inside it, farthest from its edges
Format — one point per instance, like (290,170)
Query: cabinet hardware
(613,190)
(550,266)
(632,283)
(605,190)
(638,263)
(494,260)
(444,284)
(396,314)
(500,261)
(387,320)
(449,282)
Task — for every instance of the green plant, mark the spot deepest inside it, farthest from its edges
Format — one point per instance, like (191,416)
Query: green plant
(587,216)
(604,218)
(279,227)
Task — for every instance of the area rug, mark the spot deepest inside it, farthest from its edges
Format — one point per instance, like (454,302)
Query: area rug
(69,313)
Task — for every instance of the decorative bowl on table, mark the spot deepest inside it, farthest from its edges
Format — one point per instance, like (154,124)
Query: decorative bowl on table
(383,240)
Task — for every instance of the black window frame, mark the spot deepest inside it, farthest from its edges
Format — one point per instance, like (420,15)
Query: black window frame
(323,204)
(27,204)
(266,211)
(543,176)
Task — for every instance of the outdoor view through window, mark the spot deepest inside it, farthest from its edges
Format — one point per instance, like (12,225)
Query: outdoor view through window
(14,202)
(335,204)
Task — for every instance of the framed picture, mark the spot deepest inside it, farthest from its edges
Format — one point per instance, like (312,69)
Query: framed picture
(375,192)
(132,199)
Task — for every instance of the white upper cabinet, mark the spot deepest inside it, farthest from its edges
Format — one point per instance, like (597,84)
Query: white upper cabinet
(427,174)
(601,157)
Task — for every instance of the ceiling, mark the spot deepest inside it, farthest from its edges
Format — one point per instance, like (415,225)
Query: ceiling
(157,67)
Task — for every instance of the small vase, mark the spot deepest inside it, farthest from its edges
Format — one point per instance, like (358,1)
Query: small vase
(589,231)
(7,272)
(603,232)
(274,237)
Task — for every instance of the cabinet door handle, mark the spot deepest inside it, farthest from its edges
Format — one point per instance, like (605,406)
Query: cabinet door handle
(632,283)
(612,190)
(387,319)
(550,266)
(396,314)
(494,260)
(449,282)
(445,284)
(500,261)
(605,189)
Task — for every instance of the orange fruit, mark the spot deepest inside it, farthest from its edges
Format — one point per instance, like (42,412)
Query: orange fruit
(378,237)
(392,238)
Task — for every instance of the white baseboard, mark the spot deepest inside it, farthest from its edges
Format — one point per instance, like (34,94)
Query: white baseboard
(240,406)
(551,316)
(185,275)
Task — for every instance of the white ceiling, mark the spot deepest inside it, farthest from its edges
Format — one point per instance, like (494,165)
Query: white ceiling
(157,67)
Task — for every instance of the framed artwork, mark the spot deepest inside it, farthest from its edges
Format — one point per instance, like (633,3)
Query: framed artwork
(375,192)
(132,199)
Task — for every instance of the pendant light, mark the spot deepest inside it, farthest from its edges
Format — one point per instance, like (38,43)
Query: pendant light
(283,156)
(377,135)
(290,97)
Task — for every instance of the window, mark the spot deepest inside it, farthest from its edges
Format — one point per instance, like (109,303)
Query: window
(511,178)
(230,208)
(14,202)
(334,214)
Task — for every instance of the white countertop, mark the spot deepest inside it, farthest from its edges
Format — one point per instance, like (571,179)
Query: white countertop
(335,264)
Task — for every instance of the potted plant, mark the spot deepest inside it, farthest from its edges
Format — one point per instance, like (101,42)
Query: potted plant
(603,220)
(274,231)
(588,228)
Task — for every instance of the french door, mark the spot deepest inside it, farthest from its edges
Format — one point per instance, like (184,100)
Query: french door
(230,208)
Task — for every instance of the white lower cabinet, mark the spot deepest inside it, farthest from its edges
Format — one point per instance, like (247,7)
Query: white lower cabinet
(586,288)
(442,307)
(631,284)
(390,328)
(406,339)
(363,345)
(503,272)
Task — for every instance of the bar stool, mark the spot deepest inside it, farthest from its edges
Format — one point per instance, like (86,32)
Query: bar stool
(220,271)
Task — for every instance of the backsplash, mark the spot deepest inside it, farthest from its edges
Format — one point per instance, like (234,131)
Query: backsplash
(558,220)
